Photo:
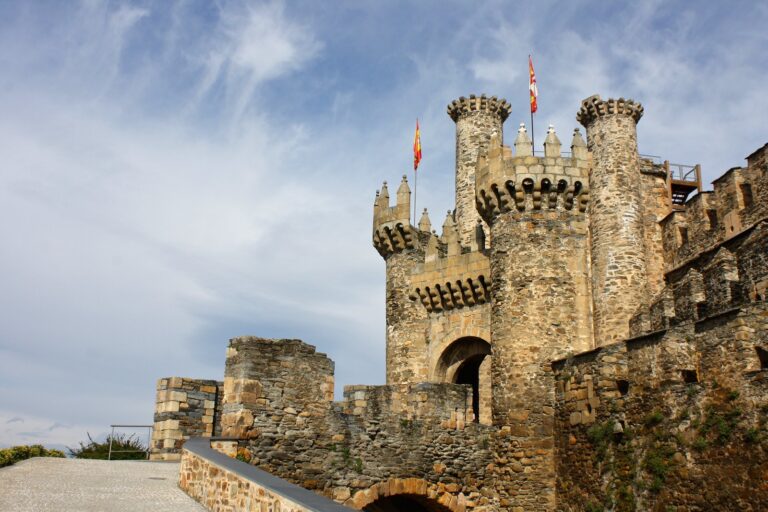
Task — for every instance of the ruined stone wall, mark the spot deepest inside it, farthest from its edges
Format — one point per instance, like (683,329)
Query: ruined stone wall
(674,420)
(476,118)
(184,408)
(276,397)
(738,202)
(616,215)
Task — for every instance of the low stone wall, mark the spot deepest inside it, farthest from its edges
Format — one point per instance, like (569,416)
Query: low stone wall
(184,408)
(278,398)
(673,420)
(224,484)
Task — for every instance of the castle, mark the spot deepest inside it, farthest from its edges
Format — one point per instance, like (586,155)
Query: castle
(588,332)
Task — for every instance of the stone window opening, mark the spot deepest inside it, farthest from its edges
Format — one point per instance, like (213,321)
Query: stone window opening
(762,355)
(746,195)
(683,235)
(469,373)
(689,376)
(712,216)
(623,387)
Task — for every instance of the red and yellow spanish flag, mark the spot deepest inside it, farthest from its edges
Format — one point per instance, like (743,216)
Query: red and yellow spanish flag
(416,147)
(532,86)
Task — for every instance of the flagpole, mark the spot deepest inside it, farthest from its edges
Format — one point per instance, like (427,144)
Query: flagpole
(415,188)
(533,139)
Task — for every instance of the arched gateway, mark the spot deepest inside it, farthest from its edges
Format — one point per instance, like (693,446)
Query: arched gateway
(467,361)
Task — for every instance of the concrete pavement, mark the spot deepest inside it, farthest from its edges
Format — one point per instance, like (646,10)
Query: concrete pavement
(76,485)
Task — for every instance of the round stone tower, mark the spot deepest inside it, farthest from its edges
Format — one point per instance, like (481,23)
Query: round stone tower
(476,118)
(535,208)
(616,215)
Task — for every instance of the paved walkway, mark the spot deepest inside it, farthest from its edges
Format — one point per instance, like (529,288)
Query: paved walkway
(74,485)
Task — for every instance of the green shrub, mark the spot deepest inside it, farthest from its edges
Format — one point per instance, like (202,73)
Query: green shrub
(120,443)
(16,454)
(654,418)
(700,444)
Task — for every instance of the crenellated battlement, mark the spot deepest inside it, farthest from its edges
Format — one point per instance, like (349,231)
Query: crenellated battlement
(466,106)
(738,201)
(595,107)
(392,230)
(506,182)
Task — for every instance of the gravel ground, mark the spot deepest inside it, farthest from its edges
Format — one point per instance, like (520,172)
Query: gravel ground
(69,485)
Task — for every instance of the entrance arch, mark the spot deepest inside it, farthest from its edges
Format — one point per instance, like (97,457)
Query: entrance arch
(405,502)
(468,361)
(398,494)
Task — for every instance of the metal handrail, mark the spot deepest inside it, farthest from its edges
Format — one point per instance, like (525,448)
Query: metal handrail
(112,437)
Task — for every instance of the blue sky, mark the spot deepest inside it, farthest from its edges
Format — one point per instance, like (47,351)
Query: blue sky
(174,174)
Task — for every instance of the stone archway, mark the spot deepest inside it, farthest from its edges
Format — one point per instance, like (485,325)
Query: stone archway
(414,494)
(467,360)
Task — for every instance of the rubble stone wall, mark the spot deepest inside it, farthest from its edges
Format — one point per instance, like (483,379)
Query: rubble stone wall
(674,420)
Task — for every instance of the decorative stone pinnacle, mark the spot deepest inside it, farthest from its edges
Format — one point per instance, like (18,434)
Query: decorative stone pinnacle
(522,128)
(465,106)
(595,107)
(551,129)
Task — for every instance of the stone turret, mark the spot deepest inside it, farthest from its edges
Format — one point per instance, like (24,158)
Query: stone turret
(476,118)
(398,243)
(616,215)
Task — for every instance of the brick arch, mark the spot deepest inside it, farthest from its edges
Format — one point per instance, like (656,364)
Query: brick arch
(433,496)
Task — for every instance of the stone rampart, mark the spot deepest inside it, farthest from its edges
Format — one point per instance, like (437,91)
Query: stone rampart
(671,420)
(184,408)
(739,201)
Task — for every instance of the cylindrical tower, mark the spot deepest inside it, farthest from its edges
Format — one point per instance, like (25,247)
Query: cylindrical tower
(615,215)
(476,119)
(398,243)
(538,260)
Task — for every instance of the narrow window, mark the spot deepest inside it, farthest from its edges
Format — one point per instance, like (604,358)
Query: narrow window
(712,215)
(683,235)
(690,376)
(746,194)
(623,387)
(762,354)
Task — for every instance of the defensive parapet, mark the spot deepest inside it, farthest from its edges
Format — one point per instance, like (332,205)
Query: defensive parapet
(525,182)
(476,118)
(392,230)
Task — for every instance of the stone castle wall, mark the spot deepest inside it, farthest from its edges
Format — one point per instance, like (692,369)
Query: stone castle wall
(674,420)
(278,396)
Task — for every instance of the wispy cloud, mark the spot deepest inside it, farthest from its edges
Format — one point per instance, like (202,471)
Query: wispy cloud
(175,174)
